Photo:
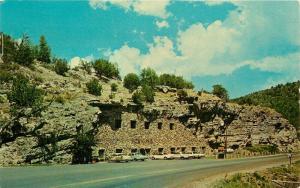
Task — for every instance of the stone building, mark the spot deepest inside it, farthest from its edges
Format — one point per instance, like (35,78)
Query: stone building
(197,123)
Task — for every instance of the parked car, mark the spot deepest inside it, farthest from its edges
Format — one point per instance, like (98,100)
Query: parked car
(120,157)
(194,155)
(138,156)
(162,156)
(169,156)
(181,156)
(157,157)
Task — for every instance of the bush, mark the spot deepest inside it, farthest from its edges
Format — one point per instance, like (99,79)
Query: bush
(60,99)
(138,97)
(61,66)
(5,76)
(131,82)
(86,66)
(23,94)
(174,81)
(105,68)
(182,94)
(114,87)
(94,87)
(24,55)
(148,93)
(149,77)
(10,49)
(221,92)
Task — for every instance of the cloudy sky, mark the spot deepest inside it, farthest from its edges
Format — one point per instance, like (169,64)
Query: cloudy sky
(245,46)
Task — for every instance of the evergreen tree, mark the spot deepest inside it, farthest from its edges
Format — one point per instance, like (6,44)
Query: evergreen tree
(44,53)
(24,54)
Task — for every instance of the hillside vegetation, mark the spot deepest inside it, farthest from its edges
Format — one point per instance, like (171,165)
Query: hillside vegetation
(282,98)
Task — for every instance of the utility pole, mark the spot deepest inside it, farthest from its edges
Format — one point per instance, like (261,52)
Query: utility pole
(1,45)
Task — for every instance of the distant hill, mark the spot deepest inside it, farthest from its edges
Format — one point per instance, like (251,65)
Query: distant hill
(283,98)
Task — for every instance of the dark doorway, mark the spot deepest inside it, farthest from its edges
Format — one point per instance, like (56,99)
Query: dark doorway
(193,149)
(160,150)
(142,151)
(134,150)
(118,123)
(173,150)
(133,124)
(119,150)
(147,124)
(171,126)
(159,125)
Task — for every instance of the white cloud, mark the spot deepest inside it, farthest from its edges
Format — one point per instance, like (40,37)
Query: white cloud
(151,8)
(214,2)
(279,64)
(222,47)
(128,59)
(76,61)
(195,46)
(162,24)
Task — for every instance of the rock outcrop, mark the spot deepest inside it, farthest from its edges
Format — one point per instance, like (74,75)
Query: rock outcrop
(199,122)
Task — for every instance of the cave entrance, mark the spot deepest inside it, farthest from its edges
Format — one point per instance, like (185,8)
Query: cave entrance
(133,124)
(119,150)
(147,124)
(173,150)
(101,154)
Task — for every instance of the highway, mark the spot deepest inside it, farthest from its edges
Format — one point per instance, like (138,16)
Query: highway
(163,173)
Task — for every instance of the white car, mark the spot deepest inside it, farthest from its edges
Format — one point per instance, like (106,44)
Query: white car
(162,156)
(157,157)
(195,155)
(181,156)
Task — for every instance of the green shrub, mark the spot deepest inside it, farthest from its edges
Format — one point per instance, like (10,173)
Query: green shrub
(60,99)
(86,66)
(114,87)
(138,97)
(10,49)
(174,81)
(149,77)
(94,87)
(263,148)
(182,94)
(24,53)
(61,66)
(5,76)
(220,91)
(148,93)
(131,82)
(23,94)
(106,68)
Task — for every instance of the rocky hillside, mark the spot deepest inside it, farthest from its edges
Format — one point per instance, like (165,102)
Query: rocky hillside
(284,98)
(70,121)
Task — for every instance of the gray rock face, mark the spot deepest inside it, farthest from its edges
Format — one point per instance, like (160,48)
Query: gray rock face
(197,123)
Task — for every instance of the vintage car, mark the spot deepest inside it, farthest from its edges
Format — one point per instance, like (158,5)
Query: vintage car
(119,157)
(162,156)
(193,155)
(138,157)
(182,156)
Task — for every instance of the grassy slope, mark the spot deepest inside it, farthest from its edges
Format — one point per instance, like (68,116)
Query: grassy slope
(262,178)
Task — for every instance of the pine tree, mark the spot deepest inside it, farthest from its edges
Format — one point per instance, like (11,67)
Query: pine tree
(24,54)
(44,53)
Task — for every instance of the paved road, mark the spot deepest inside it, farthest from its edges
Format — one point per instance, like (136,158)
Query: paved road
(135,174)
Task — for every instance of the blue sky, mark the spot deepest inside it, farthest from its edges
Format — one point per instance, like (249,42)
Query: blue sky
(245,46)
